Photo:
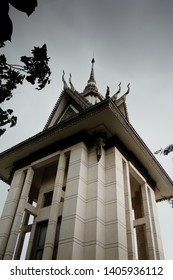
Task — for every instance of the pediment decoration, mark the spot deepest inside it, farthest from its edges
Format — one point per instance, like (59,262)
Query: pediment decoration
(68,113)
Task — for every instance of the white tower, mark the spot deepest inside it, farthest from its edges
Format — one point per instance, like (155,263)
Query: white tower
(85,187)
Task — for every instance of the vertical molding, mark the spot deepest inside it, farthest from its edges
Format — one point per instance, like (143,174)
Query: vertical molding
(9,210)
(19,215)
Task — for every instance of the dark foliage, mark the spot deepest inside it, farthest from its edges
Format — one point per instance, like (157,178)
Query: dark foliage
(6,118)
(9,79)
(6,26)
(37,67)
(35,70)
(168,149)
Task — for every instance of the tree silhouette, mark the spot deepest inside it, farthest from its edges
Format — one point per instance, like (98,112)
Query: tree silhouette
(165,152)
(34,69)
(6,25)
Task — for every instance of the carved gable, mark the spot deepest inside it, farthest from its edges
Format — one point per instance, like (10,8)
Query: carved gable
(68,113)
(69,103)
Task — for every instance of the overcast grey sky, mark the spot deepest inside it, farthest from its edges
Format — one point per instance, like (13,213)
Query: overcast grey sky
(132,42)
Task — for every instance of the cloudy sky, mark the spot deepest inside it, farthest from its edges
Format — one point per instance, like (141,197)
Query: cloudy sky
(132,42)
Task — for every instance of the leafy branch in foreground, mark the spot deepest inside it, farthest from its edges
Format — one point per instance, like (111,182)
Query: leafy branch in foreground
(6,25)
(35,69)
(6,118)
(165,152)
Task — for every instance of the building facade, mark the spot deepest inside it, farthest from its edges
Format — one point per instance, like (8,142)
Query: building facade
(85,187)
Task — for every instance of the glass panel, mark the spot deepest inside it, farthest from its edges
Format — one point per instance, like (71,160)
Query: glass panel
(42,235)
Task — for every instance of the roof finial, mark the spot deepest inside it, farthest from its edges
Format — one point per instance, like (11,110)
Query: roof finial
(128,89)
(91,90)
(115,96)
(92,78)
(107,93)
(70,82)
(63,79)
(93,60)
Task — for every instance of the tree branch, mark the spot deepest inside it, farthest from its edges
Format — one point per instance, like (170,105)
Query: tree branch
(17,67)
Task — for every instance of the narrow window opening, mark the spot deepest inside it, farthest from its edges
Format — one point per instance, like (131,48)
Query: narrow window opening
(55,251)
(47,201)
(39,241)
(65,178)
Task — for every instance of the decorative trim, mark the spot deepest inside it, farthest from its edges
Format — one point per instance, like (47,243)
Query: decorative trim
(69,112)
(78,98)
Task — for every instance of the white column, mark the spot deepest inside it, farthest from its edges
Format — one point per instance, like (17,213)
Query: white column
(21,237)
(10,209)
(53,218)
(129,213)
(95,208)
(19,214)
(73,218)
(148,223)
(100,210)
(116,235)
(31,239)
(155,223)
(120,209)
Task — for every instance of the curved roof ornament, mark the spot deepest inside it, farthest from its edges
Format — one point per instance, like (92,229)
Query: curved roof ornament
(107,93)
(64,82)
(70,82)
(115,96)
(128,89)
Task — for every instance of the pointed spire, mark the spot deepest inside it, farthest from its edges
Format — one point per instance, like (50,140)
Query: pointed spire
(92,78)
(91,85)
